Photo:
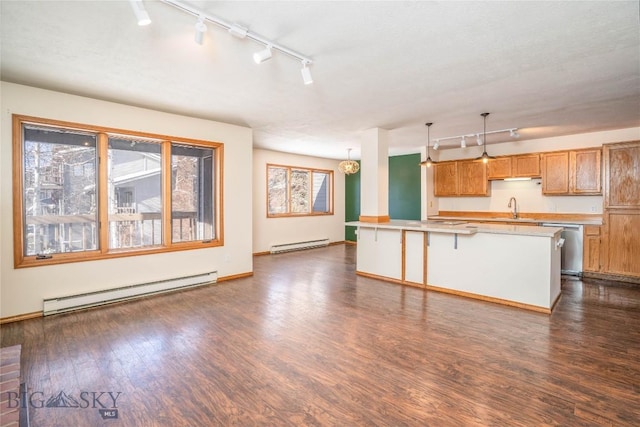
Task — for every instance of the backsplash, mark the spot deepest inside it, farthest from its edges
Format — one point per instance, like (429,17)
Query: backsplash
(529,199)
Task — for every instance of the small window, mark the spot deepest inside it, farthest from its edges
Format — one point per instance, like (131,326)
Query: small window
(295,191)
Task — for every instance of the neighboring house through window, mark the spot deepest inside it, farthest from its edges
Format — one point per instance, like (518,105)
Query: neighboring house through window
(86,192)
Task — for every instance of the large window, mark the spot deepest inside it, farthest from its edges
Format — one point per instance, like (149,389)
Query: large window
(84,192)
(295,191)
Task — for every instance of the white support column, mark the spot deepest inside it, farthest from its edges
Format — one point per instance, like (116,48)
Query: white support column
(374,176)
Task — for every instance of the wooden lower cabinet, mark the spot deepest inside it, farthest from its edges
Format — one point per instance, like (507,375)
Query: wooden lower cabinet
(622,242)
(591,249)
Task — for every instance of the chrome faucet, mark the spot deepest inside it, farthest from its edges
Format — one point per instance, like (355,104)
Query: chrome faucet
(514,210)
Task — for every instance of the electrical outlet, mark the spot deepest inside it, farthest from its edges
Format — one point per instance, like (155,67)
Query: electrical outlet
(430,203)
(593,208)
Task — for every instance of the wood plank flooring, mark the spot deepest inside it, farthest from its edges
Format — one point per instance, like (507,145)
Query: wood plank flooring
(305,342)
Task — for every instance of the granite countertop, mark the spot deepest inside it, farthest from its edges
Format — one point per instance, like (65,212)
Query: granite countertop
(522,220)
(459,226)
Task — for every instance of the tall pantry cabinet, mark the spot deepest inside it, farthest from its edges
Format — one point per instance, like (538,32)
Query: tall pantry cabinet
(621,237)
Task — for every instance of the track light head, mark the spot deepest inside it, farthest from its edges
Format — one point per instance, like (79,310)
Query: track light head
(201,28)
(436,145)
(478,139)
(263,55)
(141,13)
(306,73)
(463,142)
(514,133)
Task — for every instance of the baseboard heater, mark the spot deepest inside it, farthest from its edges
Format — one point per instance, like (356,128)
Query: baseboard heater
(296,246)
(92,299)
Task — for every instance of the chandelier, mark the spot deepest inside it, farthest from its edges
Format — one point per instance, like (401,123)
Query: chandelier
(349,167)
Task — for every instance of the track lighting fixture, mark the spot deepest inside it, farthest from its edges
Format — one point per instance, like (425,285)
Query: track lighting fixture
(263,55)
(141,13)
(428,162)
(201,28)
(233,29)
(479,137)
(485,157)
(306,74)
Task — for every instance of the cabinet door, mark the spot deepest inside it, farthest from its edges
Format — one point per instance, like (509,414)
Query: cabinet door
(499,168)
(445,178)
(555,173)
(586,172)
(526,166)
(591,251)
(472,178)
(622,243)
(622,175)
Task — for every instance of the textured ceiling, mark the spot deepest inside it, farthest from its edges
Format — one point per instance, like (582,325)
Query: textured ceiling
(548,68)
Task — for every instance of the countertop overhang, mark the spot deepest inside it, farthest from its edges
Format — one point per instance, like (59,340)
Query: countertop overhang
(459,226)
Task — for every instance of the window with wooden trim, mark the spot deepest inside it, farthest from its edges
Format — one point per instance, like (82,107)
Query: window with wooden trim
(296,191)
(85,192)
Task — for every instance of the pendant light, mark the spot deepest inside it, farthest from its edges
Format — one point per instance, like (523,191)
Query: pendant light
(428,162)
(485,157)
(349,167)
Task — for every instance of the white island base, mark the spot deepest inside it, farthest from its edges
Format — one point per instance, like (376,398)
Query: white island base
(507,264)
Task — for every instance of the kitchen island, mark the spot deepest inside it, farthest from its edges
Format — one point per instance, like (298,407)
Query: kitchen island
(517,265)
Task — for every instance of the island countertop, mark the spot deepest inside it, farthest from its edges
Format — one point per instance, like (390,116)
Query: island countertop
(459,226)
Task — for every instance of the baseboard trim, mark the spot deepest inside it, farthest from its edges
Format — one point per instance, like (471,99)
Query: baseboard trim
(349,242)
(262,253)
(613,277)
(235,276)
(490,299)
(463,294)
(19,317)
(340,242)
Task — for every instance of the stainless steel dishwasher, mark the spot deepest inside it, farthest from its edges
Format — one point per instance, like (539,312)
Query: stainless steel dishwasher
(571,255)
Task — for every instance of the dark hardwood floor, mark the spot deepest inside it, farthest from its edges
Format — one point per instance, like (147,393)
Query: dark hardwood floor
(307,342)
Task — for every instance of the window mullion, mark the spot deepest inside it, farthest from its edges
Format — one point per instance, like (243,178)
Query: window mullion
(103,192)
(166,193)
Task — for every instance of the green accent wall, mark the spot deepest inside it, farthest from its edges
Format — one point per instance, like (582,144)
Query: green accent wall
(404,192)
(404,187)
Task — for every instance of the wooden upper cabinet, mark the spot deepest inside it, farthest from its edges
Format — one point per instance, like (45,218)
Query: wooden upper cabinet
(586,171)
(622,180)
(576,172)
(445,179)
(555,173)
(499,168)
(460,178)
(524,165)
(527,165)
(472,178)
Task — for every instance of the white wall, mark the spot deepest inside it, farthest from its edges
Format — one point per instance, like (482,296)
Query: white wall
(270,231)
(529,193)
(22,290)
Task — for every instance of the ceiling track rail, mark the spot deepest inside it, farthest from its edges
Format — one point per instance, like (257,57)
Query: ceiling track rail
(230,26)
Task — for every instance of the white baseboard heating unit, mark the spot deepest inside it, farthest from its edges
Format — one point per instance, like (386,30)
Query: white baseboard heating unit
(92,299)
(288,247)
